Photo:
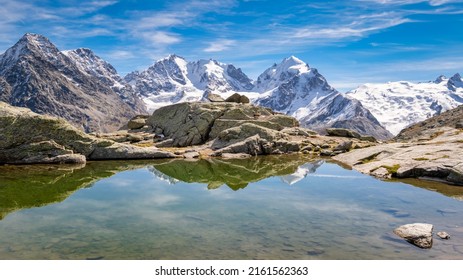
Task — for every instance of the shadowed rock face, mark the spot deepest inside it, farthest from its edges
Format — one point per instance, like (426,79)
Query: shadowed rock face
(235,173)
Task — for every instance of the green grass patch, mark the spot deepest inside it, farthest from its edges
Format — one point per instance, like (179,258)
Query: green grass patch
(392,169)
(369,158)
(421,159)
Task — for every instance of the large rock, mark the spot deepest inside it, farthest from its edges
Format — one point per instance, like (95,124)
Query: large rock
(342,132)
(213,97)
(187,124)
(244,131)
(238,98)
(137,122)
(27,137)
(418,234)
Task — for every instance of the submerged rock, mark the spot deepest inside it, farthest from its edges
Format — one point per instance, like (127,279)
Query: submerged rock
(443,235)
(418,234)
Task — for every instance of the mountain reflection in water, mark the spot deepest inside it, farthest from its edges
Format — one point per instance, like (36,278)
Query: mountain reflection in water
(30,186)
(27,186)
(235,173)
(328,212)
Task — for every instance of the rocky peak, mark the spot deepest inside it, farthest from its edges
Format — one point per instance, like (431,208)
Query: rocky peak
(237,74)
(294,64)
(440,79)
(455,82)
(47,81)
(36,42)
(91,64)
(279,73)
(29,45)
(173,56)
(88,62)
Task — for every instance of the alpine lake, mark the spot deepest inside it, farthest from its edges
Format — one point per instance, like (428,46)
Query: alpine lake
(268,207)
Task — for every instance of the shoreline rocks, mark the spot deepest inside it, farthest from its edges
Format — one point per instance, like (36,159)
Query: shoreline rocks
(437,158)
(27,138)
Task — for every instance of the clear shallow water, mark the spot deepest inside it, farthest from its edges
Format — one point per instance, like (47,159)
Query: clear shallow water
(264,208)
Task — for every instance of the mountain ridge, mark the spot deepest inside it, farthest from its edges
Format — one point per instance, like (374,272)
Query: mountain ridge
(79,77)
(36,75)
(291,87)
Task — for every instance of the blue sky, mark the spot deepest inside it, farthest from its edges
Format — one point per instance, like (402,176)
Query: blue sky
(349,42)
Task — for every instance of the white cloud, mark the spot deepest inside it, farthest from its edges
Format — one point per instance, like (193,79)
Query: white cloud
(358,27)
(442,2)
(161,38)
(121,54)
(220,45)
(409,2)
(160,20)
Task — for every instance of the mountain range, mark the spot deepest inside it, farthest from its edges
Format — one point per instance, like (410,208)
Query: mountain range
(87,91)
(397,105)
(290,87)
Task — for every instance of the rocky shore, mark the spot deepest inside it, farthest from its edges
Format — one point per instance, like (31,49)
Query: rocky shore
(430,150)
(233,130)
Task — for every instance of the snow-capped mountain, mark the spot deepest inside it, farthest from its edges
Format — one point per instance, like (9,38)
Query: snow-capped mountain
(35,74)
(86,90)
(290,87)
(88,62)
(173,79)
(293,88)
(399,104)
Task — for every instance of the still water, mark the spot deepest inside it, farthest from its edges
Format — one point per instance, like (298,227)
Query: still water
(262,208)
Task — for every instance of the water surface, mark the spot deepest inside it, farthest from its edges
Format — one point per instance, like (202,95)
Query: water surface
(259,208)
